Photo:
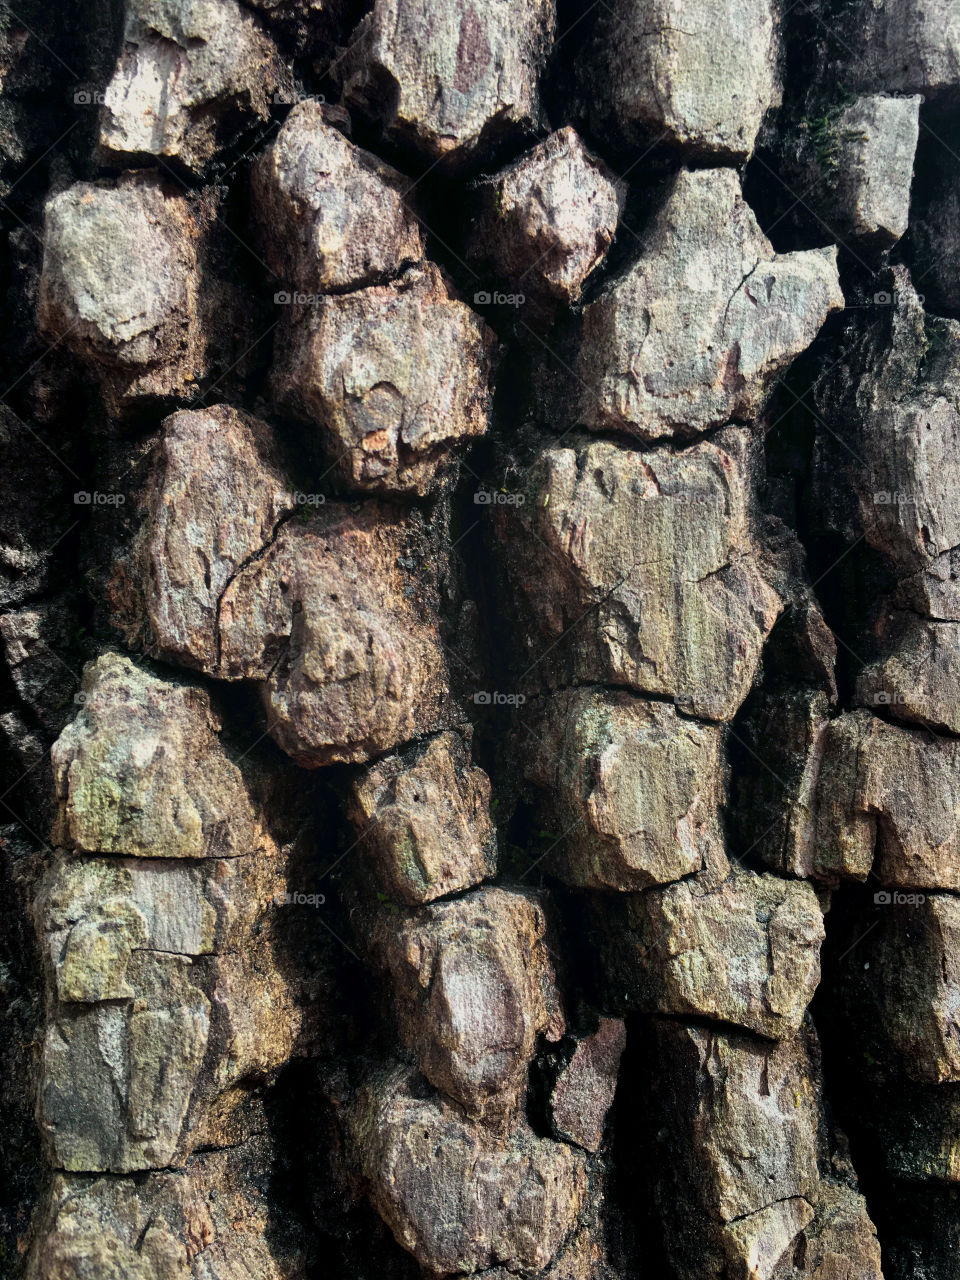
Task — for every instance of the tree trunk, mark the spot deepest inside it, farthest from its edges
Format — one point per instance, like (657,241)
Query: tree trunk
(480,705)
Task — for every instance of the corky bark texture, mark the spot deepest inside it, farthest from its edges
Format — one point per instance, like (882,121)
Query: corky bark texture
(480,637)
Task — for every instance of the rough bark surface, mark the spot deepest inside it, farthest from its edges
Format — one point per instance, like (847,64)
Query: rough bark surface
(480,640)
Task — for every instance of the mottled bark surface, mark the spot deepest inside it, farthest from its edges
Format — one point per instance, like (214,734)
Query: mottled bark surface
(480,637)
